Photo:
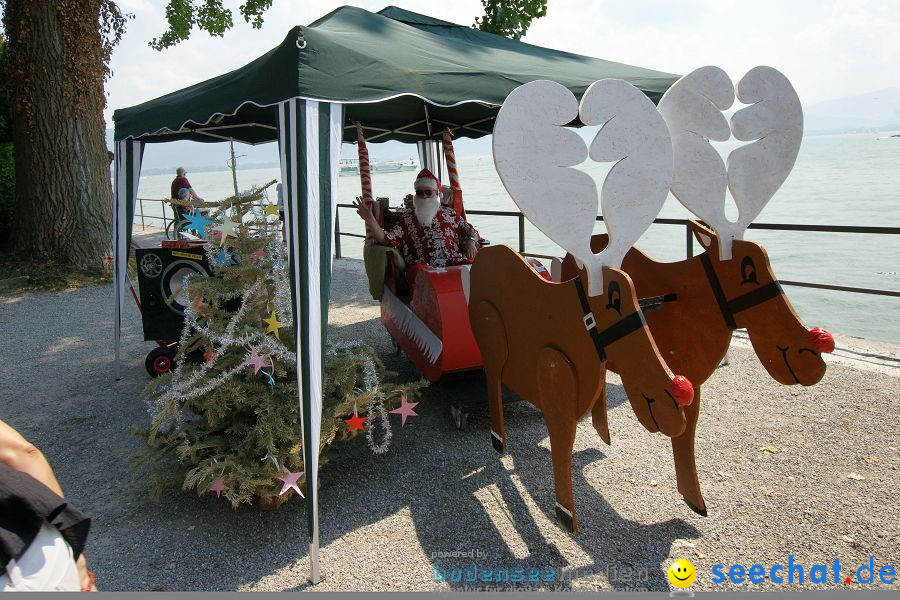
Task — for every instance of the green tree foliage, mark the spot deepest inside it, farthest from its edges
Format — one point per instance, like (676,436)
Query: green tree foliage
(510,18)
(206,15)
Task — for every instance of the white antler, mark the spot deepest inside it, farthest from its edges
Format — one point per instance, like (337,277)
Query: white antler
(534,154)
(635,135)
(775,120)
(692,108)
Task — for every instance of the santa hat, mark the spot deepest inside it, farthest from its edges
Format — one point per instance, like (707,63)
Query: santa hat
(426,179)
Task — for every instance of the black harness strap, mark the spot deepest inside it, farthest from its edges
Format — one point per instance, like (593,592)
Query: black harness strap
(611,334)
(589,323)
(621,328)
(717,291)
(757,296)
(729,308)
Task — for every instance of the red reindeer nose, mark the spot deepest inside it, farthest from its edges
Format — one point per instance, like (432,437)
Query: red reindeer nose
(682,390)
(821,340)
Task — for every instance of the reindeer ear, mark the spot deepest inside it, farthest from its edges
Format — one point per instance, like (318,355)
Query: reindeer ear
(635,136)
(534,155)
(704,235)
(692,108)
(774,119)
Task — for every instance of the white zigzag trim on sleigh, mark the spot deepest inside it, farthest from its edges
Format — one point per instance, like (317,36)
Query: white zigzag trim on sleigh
(413,327)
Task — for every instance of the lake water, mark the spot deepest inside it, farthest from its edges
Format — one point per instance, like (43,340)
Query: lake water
(851,179)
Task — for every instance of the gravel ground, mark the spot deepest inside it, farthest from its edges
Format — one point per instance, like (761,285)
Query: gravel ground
(438,490)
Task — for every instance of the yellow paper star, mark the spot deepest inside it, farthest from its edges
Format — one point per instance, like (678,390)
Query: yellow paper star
(272,209)
(274,325)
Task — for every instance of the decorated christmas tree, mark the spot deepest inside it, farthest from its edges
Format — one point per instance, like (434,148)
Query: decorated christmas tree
(226,420)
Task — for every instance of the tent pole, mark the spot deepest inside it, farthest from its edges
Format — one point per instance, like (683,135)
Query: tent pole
(116,232)
(314,575)
(309,145)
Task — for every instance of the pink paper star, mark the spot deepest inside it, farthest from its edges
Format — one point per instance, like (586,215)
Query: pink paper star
(257,361)
(259,254)
(290,482)
(219,487)
(406,409)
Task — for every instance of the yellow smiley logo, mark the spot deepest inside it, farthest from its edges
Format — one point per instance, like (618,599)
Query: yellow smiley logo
(682,573)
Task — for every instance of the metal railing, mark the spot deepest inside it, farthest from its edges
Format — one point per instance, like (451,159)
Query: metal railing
(144,217)
(689,242)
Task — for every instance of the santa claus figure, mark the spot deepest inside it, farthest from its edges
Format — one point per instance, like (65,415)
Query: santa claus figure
(428,232)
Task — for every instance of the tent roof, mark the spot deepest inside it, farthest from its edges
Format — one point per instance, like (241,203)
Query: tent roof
(396,71)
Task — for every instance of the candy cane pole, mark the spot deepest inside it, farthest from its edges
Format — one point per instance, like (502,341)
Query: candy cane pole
(450,157)
(365,177)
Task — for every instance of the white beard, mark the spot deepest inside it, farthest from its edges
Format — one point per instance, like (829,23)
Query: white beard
(426,209)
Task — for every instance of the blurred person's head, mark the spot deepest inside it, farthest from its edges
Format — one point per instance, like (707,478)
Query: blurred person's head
(180,172)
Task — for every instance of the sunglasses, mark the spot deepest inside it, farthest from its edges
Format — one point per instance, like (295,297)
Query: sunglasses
(425,193)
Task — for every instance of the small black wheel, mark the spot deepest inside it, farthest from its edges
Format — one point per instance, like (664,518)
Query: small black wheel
(160,360)
(172,230)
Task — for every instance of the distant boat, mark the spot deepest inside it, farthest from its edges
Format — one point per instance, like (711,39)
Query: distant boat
(392,166)
(348,166)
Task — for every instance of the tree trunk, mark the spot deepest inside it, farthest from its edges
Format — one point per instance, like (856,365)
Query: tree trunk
(63,191)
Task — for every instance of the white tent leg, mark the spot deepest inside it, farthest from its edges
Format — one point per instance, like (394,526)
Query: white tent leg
(309,144)
(127,158)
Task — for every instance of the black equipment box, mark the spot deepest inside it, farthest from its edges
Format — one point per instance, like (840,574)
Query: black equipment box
(161,275)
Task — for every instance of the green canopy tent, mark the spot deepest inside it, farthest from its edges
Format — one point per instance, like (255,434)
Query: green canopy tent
(403,75)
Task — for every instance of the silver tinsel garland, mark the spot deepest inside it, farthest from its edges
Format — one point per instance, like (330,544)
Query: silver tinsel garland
(375,406)
(182,388)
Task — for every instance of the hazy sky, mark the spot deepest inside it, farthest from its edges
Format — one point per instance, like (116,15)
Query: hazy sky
(828,49)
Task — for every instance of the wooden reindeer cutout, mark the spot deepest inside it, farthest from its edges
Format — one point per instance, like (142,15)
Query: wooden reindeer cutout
(548,341)
(731,285)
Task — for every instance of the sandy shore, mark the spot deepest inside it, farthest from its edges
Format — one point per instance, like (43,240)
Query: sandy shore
(829,491)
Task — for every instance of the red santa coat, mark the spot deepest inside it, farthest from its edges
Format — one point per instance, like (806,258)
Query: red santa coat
(439,244)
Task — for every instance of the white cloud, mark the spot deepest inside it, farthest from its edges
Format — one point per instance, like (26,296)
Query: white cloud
(828,49)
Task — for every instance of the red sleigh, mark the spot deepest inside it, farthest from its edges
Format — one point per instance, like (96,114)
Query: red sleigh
(426,311)
(430,322)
